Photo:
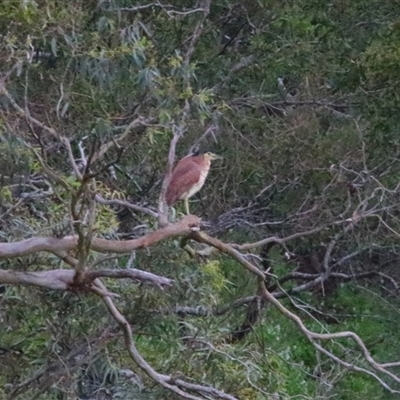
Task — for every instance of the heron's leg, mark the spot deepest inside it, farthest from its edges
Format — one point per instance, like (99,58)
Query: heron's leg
(183,243)
(187,206)
(173,214)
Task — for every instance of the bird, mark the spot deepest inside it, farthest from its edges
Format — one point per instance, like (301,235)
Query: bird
(188,177)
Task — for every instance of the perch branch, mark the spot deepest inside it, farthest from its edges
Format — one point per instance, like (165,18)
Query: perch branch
(185,226)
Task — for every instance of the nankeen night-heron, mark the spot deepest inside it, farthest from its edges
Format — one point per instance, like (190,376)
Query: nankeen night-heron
(188,177)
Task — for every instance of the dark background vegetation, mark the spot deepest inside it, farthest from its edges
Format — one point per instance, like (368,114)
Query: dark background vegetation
(302,100)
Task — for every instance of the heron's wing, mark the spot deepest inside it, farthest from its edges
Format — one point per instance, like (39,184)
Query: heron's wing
(186,174)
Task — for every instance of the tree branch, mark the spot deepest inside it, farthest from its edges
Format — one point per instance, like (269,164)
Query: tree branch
(57,279)
(65,279)
(162,205)
(278,240)
(185,226)
(107,146)
(126,204)
(134,274)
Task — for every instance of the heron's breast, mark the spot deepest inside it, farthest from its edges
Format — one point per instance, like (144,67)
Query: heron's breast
(197,186)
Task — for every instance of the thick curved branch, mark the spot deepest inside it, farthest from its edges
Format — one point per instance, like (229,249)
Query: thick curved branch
(185,226)
(65,279)
(202,237)
(57,279)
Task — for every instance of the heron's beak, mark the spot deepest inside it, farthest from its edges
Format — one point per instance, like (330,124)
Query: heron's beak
(216,157)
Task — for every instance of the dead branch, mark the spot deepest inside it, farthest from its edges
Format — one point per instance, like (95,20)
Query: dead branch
(342,276)
(57,279)
(25,113)
(131,273)
(185,226)
(278,240)
(64,279)
(197,32)
(126,204)
(112,143)
(167,8)
(202,237)
(210,130)
(204,311)
(162,205)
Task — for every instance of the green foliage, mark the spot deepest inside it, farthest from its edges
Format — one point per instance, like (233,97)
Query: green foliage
(302,97)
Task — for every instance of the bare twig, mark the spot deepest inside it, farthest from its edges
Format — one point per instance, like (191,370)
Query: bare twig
(107,146)
(162,206)
(278,240)
(126,204)
(196,144)
(197,32)
(65,141)
(167,8)
(243,63)
(12,208)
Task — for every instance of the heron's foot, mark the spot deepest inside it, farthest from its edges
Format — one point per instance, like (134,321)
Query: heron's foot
(203,253)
